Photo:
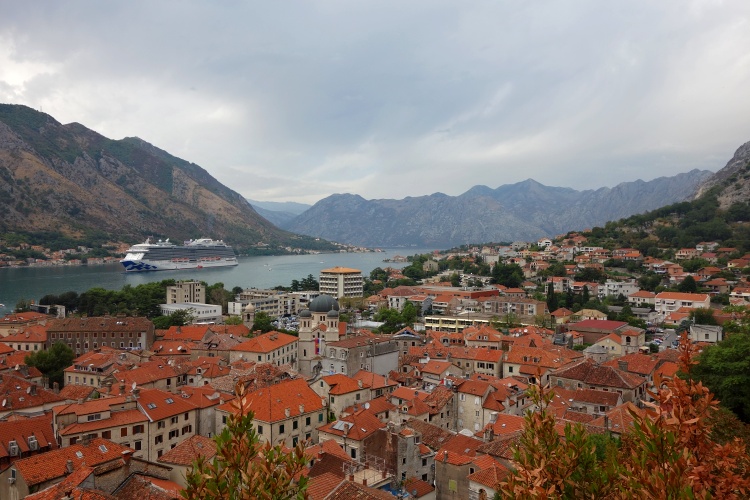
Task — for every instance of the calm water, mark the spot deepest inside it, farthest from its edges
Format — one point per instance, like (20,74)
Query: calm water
(257,272)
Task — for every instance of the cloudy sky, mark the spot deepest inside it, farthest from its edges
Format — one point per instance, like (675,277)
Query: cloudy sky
(294,101)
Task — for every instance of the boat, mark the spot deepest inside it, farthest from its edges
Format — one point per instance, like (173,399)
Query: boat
(167,256)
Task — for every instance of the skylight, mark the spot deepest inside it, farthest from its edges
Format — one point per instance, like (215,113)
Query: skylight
(169,400)
(151,406)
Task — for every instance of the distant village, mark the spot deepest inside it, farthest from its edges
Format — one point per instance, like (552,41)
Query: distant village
(433,410)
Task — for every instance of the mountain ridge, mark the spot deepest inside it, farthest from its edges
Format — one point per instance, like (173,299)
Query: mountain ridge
(525,210)
(69,179)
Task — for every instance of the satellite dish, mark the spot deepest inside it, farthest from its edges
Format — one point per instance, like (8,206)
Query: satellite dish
(133,386)
(4,401)
(28,390)
(17,367)
(367,405)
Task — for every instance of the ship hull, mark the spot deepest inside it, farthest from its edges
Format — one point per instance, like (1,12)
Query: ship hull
(145,265)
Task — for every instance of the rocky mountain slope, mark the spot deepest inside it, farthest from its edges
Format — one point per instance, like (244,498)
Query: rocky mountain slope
(72,180)
(733,180)
(523,211)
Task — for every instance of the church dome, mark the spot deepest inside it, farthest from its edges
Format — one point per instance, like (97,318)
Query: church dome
(323,304)
(332,314)
(249,308)
(305,313)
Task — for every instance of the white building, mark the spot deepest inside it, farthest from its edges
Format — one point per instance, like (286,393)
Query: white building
(614,288)
(341,282)
(202,313)
(666,303)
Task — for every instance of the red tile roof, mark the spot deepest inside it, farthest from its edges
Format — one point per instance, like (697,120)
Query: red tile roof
(194,333)
(269,404)
(20,394)
(158,404)
(21,430)
(31,333)
(116,419)
(341,384)
(52,465)
(187,451)
(266,343)
(356,426)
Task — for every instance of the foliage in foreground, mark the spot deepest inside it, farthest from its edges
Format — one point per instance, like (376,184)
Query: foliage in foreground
(669,453)
(244,469)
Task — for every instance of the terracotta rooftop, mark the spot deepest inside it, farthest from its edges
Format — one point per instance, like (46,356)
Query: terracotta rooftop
(190,449)
(432,435)
(265,343)
(341,384)
(354,491)
(52,465)
(140,487)
(356,426)
(194,333)
(588,372)
(116,419)
(21,430)
(158,404)
(20,394)
(31,333)
(270,404)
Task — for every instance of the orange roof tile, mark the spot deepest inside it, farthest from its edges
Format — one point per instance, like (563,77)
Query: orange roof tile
(52,465)
(187,451)
(270,404)
(265,343)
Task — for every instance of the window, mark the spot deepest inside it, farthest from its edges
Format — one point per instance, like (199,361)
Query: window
(187,416)
(173,434)
(123,431)
(107,434)
(138,429)
(162,424)
(159,439)
(137,445)
(294,425)
(174,420)
(260,429)
(281,428)
(307,421)
(424,462)
(320,417)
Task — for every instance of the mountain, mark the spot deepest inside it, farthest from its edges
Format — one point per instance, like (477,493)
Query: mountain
(523,211)
(732,181)
(279,213)
(71,180)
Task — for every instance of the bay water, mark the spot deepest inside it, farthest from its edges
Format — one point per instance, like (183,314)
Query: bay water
(32,283)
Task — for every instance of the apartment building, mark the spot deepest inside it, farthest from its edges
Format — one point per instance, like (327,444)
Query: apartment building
(666,303)
(86,334)
(287,412)
(341,282)
(186,291)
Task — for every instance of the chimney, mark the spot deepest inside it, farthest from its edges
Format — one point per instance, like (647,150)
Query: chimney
(69,466)
(56,387)
(122,387)
(351,477)
(364,481)
(126,456)
(86,440)
(622,365)
(136,392)
(359,383)
(287,412)
(302,409)
(33,389)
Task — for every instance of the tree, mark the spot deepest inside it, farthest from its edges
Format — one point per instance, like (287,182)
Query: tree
(551,297)
(243,469)
(23,305)
(52,362)
(703,316)
(180,317)
(409,313)
(309,283)
(455,280)
(233,320)
(262,322)
(688,285)
(725,369)
(669,453)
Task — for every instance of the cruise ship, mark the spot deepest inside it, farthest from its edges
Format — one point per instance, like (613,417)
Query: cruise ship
(166,256)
